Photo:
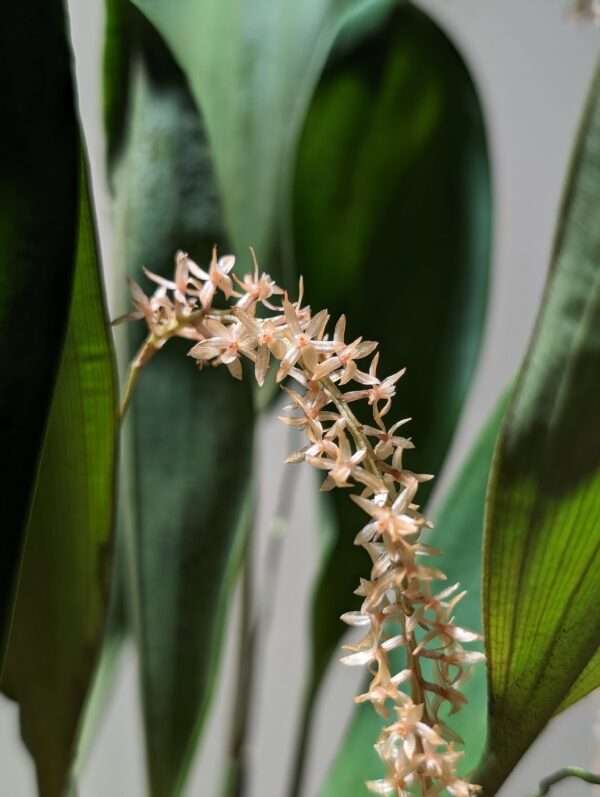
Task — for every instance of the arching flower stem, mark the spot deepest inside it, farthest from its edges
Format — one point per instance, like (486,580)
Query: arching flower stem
(417,747)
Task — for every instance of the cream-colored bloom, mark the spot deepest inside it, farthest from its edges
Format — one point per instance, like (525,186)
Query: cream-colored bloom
(256,287)
(183,285)
(341,463)
(216,279)
(393,521)
(387,441)
(343,359)
(225,345)
(379,391)
(303,343)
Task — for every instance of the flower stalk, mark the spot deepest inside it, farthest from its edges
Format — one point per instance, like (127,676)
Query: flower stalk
(400,610)
(568,772)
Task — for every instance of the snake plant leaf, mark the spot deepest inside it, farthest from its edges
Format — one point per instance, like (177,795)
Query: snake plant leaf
(252,67)
(542,548)
(62,595)
(459,534)
(38,227)
(118,56)
(188,435)
(392,223)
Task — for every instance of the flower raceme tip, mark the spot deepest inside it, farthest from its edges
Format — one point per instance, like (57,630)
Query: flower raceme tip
(400,608)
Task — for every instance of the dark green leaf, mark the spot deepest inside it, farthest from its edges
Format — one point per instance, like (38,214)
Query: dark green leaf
(119,33)
(586,682)
(190,433)
(459,534)
(542,551)
(61,601)
(38,224)
(392,228)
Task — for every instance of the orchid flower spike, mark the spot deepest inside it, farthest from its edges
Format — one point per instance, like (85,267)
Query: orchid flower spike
(401,606)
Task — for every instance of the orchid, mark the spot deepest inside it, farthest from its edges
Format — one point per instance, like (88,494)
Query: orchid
(417,748)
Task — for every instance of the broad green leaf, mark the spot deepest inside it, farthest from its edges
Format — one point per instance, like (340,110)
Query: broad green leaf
(392,228)
(61,600)
(459,535)
(542,549)
(252,66)
(38,222)
(190,433)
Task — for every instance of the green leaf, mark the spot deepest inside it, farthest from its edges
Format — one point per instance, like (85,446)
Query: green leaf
(38,227)
(542,549)
(252,70)
(392,228)
(189,434)
(459,535)
(61,601)
(585,683)
(118,54)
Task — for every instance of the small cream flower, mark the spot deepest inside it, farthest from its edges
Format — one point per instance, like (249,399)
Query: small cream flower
(303,343)
(388,441)
(343,360)
(225,345)
(379,391)
(256,287)
(341,462)
(183,283)
(216,279)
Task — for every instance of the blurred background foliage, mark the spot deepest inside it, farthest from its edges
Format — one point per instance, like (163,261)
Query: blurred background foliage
(346,142)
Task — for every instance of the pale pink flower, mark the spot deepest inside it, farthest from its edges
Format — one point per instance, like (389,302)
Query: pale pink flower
(183,283)
(159,313)
(311,405)
(393,520)
(303,343)
(341,364)
(226,344)
(341,462)
(217,278)
(379,391)
(388,441)
(256,287)
(409,730)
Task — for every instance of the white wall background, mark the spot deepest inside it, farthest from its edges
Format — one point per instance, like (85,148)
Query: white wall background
(533,68)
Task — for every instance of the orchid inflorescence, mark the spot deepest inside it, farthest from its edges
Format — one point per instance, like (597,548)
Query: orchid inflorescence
(400,609)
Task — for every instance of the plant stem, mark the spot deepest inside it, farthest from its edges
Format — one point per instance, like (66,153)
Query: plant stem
(301,751)
(360,438)
(145,353)
(562,774)
(236,781)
